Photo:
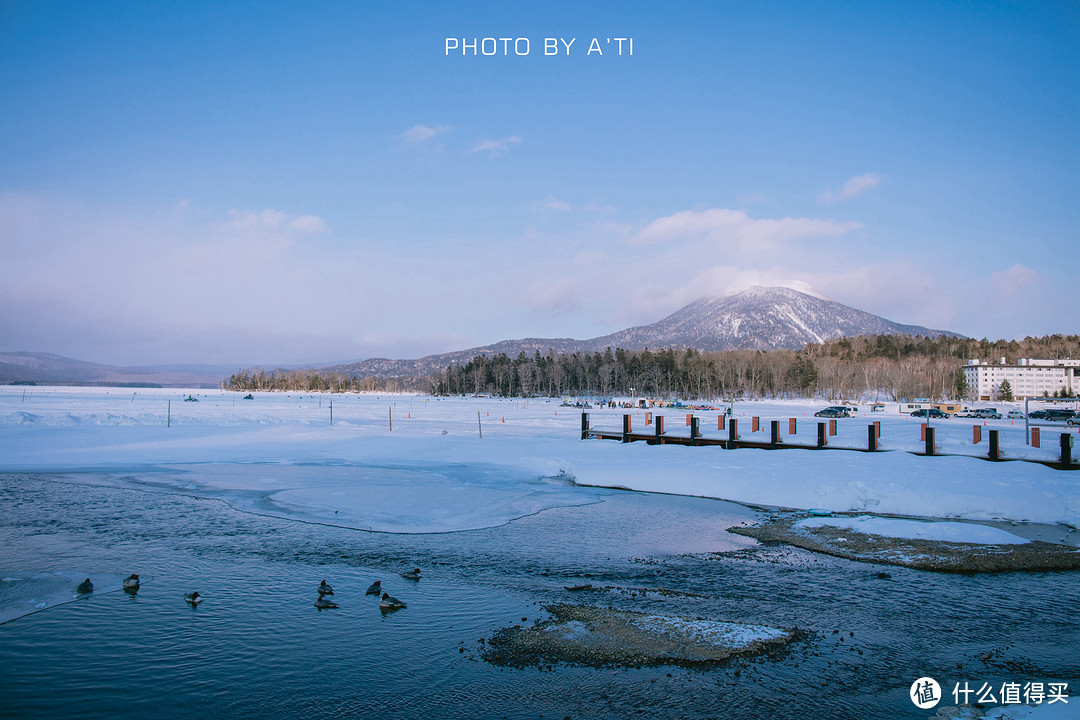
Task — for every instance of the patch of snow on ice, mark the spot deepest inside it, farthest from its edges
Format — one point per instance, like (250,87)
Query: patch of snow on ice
(919,530)
(712,632)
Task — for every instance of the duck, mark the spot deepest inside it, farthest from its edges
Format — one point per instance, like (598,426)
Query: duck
(324,589)
(85,587)
(131,583)
(375,589)
(390,603)
(325,603)
(413,574)
(192,598)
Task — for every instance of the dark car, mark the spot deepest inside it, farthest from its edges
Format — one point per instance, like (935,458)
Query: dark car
(1059,414)
(930,413)
(835,411)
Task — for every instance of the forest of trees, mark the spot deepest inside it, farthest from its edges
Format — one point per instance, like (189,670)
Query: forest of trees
(307,380)
(872,367)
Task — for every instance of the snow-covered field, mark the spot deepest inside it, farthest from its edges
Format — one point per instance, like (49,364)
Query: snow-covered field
(408,447)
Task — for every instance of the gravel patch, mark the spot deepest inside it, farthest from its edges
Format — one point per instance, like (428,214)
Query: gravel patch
(603,637)
(940,556)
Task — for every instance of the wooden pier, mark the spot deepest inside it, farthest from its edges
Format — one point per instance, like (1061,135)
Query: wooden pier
(659,436)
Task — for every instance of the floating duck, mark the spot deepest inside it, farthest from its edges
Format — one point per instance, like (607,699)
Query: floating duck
(325,603)
(413,574)
(85,587)
(192,598)
(324,589)
(131,584)
(390,603)
(375,589)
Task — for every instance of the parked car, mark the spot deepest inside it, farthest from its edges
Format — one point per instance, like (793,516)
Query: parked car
(1074,420)
(985,413)
(1015,414)
(834,411)
(1059,414)
(930,413)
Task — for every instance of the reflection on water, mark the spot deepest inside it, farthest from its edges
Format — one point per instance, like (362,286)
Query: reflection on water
(258,648)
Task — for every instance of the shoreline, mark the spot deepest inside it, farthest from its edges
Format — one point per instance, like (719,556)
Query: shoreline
(934,555)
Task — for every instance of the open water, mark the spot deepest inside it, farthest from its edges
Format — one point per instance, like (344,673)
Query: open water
(257,648)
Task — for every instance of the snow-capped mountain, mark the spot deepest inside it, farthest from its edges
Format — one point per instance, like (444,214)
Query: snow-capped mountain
(759,318)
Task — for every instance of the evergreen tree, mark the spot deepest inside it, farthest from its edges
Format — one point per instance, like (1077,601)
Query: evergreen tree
(1005,393)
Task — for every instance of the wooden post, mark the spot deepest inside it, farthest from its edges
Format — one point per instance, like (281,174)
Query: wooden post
(755,424)
(871,438)
(659,430)
(1066,449)
(626,428)
(1035,437)
(648,419)
(480,428)
(832,427)
(877,429)
(720,421)
(791,426)
(930,440)
(733,433)
(821,435)
(584,424)
(331,411)
(774,433)
(168,421)
(390,414)
(694,432)
(922,432)
(689,417)
(976,434)
(995,450)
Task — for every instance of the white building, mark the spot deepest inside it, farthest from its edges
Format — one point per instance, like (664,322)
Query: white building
(1028,378)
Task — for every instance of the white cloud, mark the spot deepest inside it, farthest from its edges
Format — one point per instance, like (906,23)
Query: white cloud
(736,228)
(852,188)
(419,135)
(496,147)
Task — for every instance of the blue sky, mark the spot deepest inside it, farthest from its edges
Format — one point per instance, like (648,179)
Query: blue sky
(296,183)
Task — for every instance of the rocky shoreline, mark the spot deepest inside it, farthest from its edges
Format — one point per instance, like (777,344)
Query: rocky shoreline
(936,555)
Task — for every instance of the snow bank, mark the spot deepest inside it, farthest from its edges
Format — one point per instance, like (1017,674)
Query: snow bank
(917,530)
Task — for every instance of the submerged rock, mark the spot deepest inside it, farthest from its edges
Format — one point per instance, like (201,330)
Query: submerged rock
(583,635)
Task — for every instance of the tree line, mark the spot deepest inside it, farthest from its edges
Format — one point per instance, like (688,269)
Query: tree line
(872,367)
(308,380)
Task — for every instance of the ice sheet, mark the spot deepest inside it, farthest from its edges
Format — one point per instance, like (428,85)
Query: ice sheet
(22,593)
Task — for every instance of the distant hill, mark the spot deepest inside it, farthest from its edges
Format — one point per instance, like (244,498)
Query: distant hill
(759,318)
(48,369)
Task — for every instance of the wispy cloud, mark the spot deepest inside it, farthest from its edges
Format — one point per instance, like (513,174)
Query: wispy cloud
(736,228)
(1016,278)
(852,188)
(247,220)
(552,296)
(553,204)
(496,147)
(421,135)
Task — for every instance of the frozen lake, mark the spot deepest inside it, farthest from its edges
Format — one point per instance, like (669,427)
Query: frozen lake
(253,507)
